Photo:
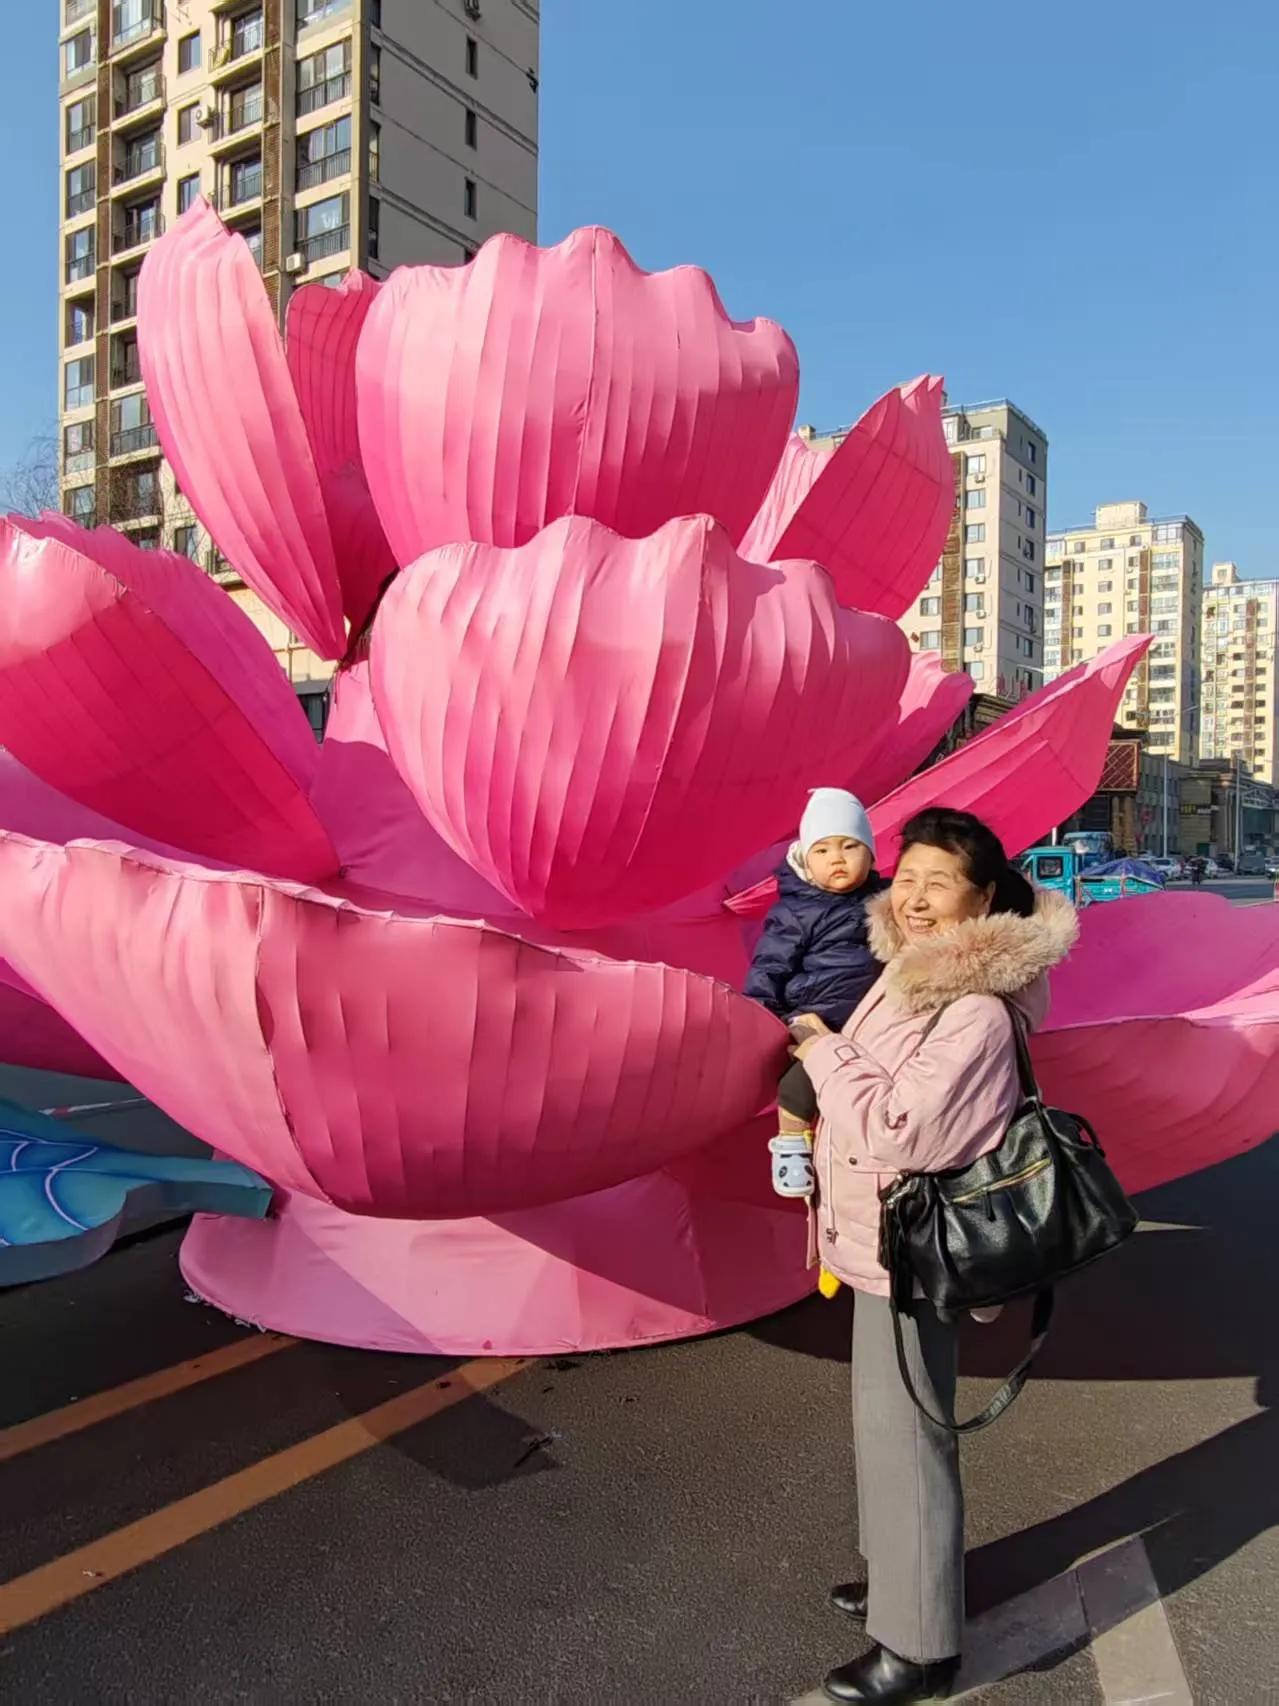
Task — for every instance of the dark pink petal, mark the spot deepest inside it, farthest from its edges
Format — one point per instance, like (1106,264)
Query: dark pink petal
(876,511)
(230,424)
(600,726)
(34,1036)
(130,683)
(323,329)
(931,703)
(1032,768)
(393,1065)
(536,383)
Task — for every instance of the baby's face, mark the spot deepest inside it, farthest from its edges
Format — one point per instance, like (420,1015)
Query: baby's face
(838,863)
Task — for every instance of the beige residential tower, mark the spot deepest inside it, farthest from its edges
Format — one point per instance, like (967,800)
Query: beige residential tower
(1240,672)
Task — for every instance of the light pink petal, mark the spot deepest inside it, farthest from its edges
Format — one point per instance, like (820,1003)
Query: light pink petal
(34,1036)
(600,725)
(393,1065)
(874,512)
(536,383)
(131,684)
(931,703)
(1031,769)
(323,329)
(229,421)
(793,478)
(1165,1032)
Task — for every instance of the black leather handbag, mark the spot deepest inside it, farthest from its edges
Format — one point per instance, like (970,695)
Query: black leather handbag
(1011,1224)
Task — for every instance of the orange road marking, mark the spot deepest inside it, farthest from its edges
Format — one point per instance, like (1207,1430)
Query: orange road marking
(87,1412)
(46,1589)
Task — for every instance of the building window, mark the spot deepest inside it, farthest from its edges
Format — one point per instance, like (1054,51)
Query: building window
(189,53)
(186,541)
(246,34)
(975,533)
(375,75)
(326,77)
(79,254)
(1105,565)
(977,669)
(77,391)
(1032,452)
(142,224)
(975,568)
(246,180)
(975,465)
(974,500)
(974,604)
(79,323)
(472,128)
(186,123)
(309,11)
(82,183)
(1031,518)
(81,504)
(1167,534)
(188,191)
(472,57)
(132,428)
(375,227)
(470,199)
(375,152)
(1107,545)
(930,607)
(1079,548)
(324,154)
(1103,610)
(77,53)
(81,123)
(972,636)
(324,228)
(77,447)
(1032,485)
(930,639)
(1030,581)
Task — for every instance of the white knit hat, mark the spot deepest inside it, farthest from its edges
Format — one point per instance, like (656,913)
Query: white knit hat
(834,811)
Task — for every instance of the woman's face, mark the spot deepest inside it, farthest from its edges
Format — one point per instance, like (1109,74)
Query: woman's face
(932,894)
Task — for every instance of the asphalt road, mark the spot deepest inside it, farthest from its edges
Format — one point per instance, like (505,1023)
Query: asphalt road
(280,1522)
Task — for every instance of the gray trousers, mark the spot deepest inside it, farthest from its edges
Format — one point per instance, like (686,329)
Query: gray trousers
(909,1498)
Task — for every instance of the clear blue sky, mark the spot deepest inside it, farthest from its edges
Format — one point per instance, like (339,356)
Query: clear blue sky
(1071,204)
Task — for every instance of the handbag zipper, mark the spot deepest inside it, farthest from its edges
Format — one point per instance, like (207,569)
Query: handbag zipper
(1003,1184)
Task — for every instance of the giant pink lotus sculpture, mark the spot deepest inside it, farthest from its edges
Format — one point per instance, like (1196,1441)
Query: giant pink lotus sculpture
(462,981)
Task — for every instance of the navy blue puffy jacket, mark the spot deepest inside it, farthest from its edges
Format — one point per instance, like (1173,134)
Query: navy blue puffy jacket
(814,955)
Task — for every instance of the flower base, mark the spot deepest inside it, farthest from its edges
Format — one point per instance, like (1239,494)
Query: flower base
(678,1253)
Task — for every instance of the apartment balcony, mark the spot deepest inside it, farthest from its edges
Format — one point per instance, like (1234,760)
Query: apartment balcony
(325,94)
(325,244)
(84,202)
(238,122)
(126,369)
(79,140)
(137,231)
(79,272)
(75,11)
(136,27)
(129,441)
(216,565)
(124,303)
(316,172)
(142,98)
(240,52)
(139,167)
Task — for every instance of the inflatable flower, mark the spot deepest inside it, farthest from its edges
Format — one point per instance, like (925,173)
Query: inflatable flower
(462,980)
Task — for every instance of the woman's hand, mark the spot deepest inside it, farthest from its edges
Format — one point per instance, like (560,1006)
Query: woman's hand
(807,1030)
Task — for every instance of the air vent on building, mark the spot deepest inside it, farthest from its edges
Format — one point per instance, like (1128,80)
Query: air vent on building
(294,263)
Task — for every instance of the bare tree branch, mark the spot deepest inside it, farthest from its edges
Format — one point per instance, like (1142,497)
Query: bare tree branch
(31,484)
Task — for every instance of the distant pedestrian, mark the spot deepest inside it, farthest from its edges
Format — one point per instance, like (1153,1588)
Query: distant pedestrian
(923,1078)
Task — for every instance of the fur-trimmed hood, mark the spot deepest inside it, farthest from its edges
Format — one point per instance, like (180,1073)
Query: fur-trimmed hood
(999,955)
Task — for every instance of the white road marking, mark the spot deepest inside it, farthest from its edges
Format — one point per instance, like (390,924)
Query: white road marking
(1110,1604)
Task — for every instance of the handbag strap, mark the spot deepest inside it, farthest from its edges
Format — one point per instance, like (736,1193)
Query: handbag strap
(1025,1065)
(1041,1316)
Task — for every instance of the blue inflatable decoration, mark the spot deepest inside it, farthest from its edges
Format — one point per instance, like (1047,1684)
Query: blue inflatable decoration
(64,1198)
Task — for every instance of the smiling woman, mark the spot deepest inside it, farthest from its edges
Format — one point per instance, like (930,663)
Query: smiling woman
(923,1078)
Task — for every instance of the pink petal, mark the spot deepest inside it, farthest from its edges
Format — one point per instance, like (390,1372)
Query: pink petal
(1189,983)
(131,684)
(600,725)
(1031,769)
(800,466)
(34,1036)
(230,424)
(931,703)
(399,1066)
(536,383)
(875,512)
(323,328)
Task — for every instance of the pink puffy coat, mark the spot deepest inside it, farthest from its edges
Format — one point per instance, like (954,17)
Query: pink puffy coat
(893,1101)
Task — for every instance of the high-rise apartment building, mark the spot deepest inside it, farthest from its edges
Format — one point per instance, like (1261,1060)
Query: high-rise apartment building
(983,608)
(1130,573)
(329,133)
(1239,719)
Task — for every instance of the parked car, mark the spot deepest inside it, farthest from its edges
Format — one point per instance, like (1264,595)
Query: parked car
(1224,866)
(1164,863)
(1272,866)
(1252,865)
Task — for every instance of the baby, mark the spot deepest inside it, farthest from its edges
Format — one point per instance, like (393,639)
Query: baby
(814,955)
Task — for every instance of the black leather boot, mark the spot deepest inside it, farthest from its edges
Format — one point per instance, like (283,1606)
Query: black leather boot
(850,1598)
(882,1677)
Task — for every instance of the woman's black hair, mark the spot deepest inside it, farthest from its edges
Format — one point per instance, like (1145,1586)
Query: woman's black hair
(985,862)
